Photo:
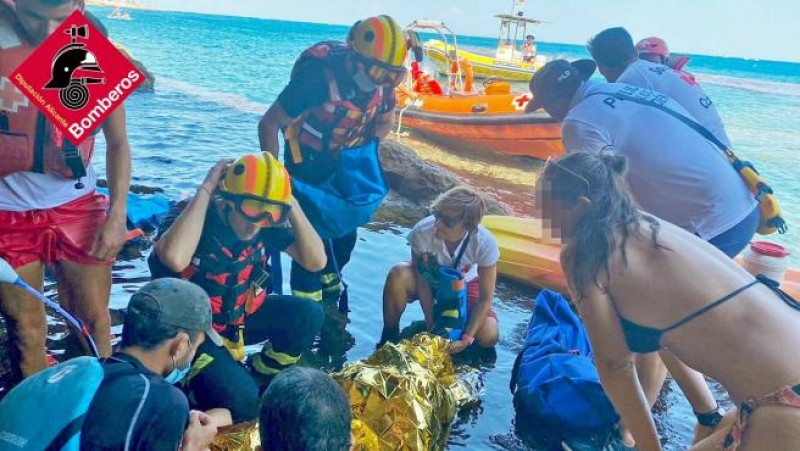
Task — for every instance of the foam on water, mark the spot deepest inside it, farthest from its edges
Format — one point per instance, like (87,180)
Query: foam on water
(760,86)
(233,101)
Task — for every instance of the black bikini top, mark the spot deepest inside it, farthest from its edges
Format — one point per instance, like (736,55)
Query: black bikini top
(644,339)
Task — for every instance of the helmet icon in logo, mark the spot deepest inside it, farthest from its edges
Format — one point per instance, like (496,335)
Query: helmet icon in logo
(68,63)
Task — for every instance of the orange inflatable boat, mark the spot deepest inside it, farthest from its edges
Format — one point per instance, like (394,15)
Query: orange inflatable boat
(528,258)
(484,122)
(488,118)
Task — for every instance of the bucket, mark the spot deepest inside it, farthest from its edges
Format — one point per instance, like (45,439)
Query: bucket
(767,258)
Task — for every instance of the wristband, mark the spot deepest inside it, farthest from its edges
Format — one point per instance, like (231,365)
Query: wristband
(709,419)
(468,338)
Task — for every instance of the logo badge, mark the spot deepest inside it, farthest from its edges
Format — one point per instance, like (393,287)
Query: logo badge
(77,78)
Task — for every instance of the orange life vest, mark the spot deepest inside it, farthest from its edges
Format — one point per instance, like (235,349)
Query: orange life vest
(339,123)
(28,141)
(459,68)
(234,274)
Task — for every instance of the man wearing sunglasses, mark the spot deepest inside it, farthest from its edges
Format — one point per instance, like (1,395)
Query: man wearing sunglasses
(221,240)
(339,102)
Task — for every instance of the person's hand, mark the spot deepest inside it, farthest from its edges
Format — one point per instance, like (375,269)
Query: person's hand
(216,172)
(110,238)
(457,346)
(200,432)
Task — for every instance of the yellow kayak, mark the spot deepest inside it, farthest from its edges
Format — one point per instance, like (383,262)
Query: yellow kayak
(527,257)
(482,66)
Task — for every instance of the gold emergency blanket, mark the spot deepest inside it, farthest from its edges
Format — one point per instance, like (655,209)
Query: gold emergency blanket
(238,437)
(404,396)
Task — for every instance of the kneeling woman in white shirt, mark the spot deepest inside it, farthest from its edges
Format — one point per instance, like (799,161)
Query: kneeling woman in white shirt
(452,237)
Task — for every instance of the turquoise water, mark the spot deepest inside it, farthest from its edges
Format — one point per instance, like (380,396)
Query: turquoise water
(217,75)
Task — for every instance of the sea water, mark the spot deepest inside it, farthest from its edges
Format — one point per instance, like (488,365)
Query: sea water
(217,75)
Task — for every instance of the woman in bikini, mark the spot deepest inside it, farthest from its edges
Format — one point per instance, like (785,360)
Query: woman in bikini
(642,284)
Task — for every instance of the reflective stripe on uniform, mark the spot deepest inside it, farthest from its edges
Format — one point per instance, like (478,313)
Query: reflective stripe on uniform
(270,361)
(315,296)
(199,364)
(329,279)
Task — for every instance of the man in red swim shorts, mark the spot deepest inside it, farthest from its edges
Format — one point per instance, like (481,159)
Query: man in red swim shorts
(48,216)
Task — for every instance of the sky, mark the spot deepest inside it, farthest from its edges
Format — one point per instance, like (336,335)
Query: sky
(739,28)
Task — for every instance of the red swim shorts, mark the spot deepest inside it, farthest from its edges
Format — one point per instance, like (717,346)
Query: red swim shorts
(63,233)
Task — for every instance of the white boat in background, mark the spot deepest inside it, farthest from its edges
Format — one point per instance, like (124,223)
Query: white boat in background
(118,13)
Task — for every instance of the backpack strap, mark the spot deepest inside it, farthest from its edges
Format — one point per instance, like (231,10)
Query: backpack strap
(66,434)
(655,103)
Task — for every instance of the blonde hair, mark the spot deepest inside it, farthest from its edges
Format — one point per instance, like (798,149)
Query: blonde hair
(465,199)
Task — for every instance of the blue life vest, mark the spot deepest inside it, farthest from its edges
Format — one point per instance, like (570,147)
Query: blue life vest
(554,380)
(348,197)
(46,411)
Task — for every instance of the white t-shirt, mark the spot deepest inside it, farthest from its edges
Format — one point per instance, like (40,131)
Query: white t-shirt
(24,191)
(681,88)
(674,173)
(482,249)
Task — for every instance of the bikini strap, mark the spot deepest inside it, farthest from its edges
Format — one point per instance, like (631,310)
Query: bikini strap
(775,287)
(709,307)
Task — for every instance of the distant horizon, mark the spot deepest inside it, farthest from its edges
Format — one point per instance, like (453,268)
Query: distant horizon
(482,36)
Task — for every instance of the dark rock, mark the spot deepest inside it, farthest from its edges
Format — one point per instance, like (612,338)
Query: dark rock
(135,189)
(420,181)
(149,78)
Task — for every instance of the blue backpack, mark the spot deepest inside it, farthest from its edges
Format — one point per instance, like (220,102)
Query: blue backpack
(144,211)
(46,411)
(347,199)
(554,380)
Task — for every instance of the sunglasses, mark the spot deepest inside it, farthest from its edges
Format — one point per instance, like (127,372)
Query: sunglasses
(569,171)
(382,74)
(447,221)
(257,210)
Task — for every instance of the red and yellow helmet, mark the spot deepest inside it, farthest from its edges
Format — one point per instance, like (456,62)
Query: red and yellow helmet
(379,40)
(259,187)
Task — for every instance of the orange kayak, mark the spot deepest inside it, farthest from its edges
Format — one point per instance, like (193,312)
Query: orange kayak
(525,256)
(492,123)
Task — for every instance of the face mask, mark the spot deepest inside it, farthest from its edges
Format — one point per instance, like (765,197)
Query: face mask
(364,83)
(178,374)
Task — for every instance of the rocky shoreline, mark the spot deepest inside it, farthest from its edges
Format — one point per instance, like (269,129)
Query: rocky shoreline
(417,173)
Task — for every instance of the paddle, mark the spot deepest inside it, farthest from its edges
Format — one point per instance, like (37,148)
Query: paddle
(8,275)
